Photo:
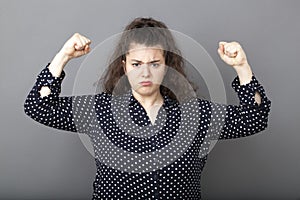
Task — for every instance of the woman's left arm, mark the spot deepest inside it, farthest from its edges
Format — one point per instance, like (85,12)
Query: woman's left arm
(251,116)
(233,55)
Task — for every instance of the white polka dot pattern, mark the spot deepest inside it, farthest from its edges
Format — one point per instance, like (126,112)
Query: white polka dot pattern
(179,179)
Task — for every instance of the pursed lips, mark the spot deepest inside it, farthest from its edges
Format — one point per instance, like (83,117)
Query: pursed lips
(146,83)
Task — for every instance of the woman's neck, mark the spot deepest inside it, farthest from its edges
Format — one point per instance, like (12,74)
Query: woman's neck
(155,99)
(151,104)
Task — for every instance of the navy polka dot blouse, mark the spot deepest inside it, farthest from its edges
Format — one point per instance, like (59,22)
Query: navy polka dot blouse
(137,159)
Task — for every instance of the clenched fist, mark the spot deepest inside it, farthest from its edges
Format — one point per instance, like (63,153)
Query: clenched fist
(76,46)
(232,53)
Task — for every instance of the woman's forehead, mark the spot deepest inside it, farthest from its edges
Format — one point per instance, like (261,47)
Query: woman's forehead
(142,50)
(137,46)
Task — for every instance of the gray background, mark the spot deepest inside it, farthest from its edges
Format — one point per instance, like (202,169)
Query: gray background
(37,162)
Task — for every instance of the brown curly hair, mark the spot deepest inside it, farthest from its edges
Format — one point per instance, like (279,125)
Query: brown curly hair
(148,32)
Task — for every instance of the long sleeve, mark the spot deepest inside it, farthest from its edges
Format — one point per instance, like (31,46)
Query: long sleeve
(234,121)
(55,111)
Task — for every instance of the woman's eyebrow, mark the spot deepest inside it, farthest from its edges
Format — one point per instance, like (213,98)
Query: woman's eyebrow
(138,61)
(154,61)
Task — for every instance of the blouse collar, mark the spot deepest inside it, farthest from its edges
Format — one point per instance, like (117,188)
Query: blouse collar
(132,100)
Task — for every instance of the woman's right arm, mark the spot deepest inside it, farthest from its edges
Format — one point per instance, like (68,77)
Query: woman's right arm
(43,103)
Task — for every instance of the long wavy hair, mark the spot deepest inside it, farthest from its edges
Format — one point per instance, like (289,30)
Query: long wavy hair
(148,32)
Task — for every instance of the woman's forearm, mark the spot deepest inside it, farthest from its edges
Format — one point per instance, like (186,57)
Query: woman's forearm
(58,63)
(245,76)
(76,46)
(244,73)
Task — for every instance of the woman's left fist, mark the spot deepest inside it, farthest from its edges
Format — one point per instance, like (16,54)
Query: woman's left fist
(232,53)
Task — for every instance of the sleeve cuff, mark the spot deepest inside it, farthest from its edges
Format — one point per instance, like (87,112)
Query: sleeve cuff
(246,92)
(45,78)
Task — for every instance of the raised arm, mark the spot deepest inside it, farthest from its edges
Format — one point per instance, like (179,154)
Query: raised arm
(251,115)
(44,105)
(76,46)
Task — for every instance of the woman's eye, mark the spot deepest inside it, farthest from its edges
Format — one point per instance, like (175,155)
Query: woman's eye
(155,65)
(135,64)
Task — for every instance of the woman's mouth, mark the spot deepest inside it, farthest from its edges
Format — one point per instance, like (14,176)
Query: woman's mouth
(146,83)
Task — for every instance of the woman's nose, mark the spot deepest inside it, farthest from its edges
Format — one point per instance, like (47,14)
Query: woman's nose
(145,70)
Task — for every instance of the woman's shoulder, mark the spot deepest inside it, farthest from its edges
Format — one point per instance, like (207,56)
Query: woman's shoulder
(196,103)
(103,97)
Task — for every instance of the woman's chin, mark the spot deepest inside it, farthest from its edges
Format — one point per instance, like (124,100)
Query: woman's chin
(146,91)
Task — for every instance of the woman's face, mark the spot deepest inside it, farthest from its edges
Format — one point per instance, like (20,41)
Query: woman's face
(145,68)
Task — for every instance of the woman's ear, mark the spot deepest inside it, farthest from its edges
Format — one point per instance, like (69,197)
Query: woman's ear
(124,66)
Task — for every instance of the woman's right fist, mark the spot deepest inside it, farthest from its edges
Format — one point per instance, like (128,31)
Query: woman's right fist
(76,46)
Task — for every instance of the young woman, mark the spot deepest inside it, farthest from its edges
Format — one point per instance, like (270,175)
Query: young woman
(150,137)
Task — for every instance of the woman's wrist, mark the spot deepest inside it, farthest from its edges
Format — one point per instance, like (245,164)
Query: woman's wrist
(244,73)
(58,63)
(63,57)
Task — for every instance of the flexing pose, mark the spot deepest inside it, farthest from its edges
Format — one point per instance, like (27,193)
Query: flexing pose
(149,141)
